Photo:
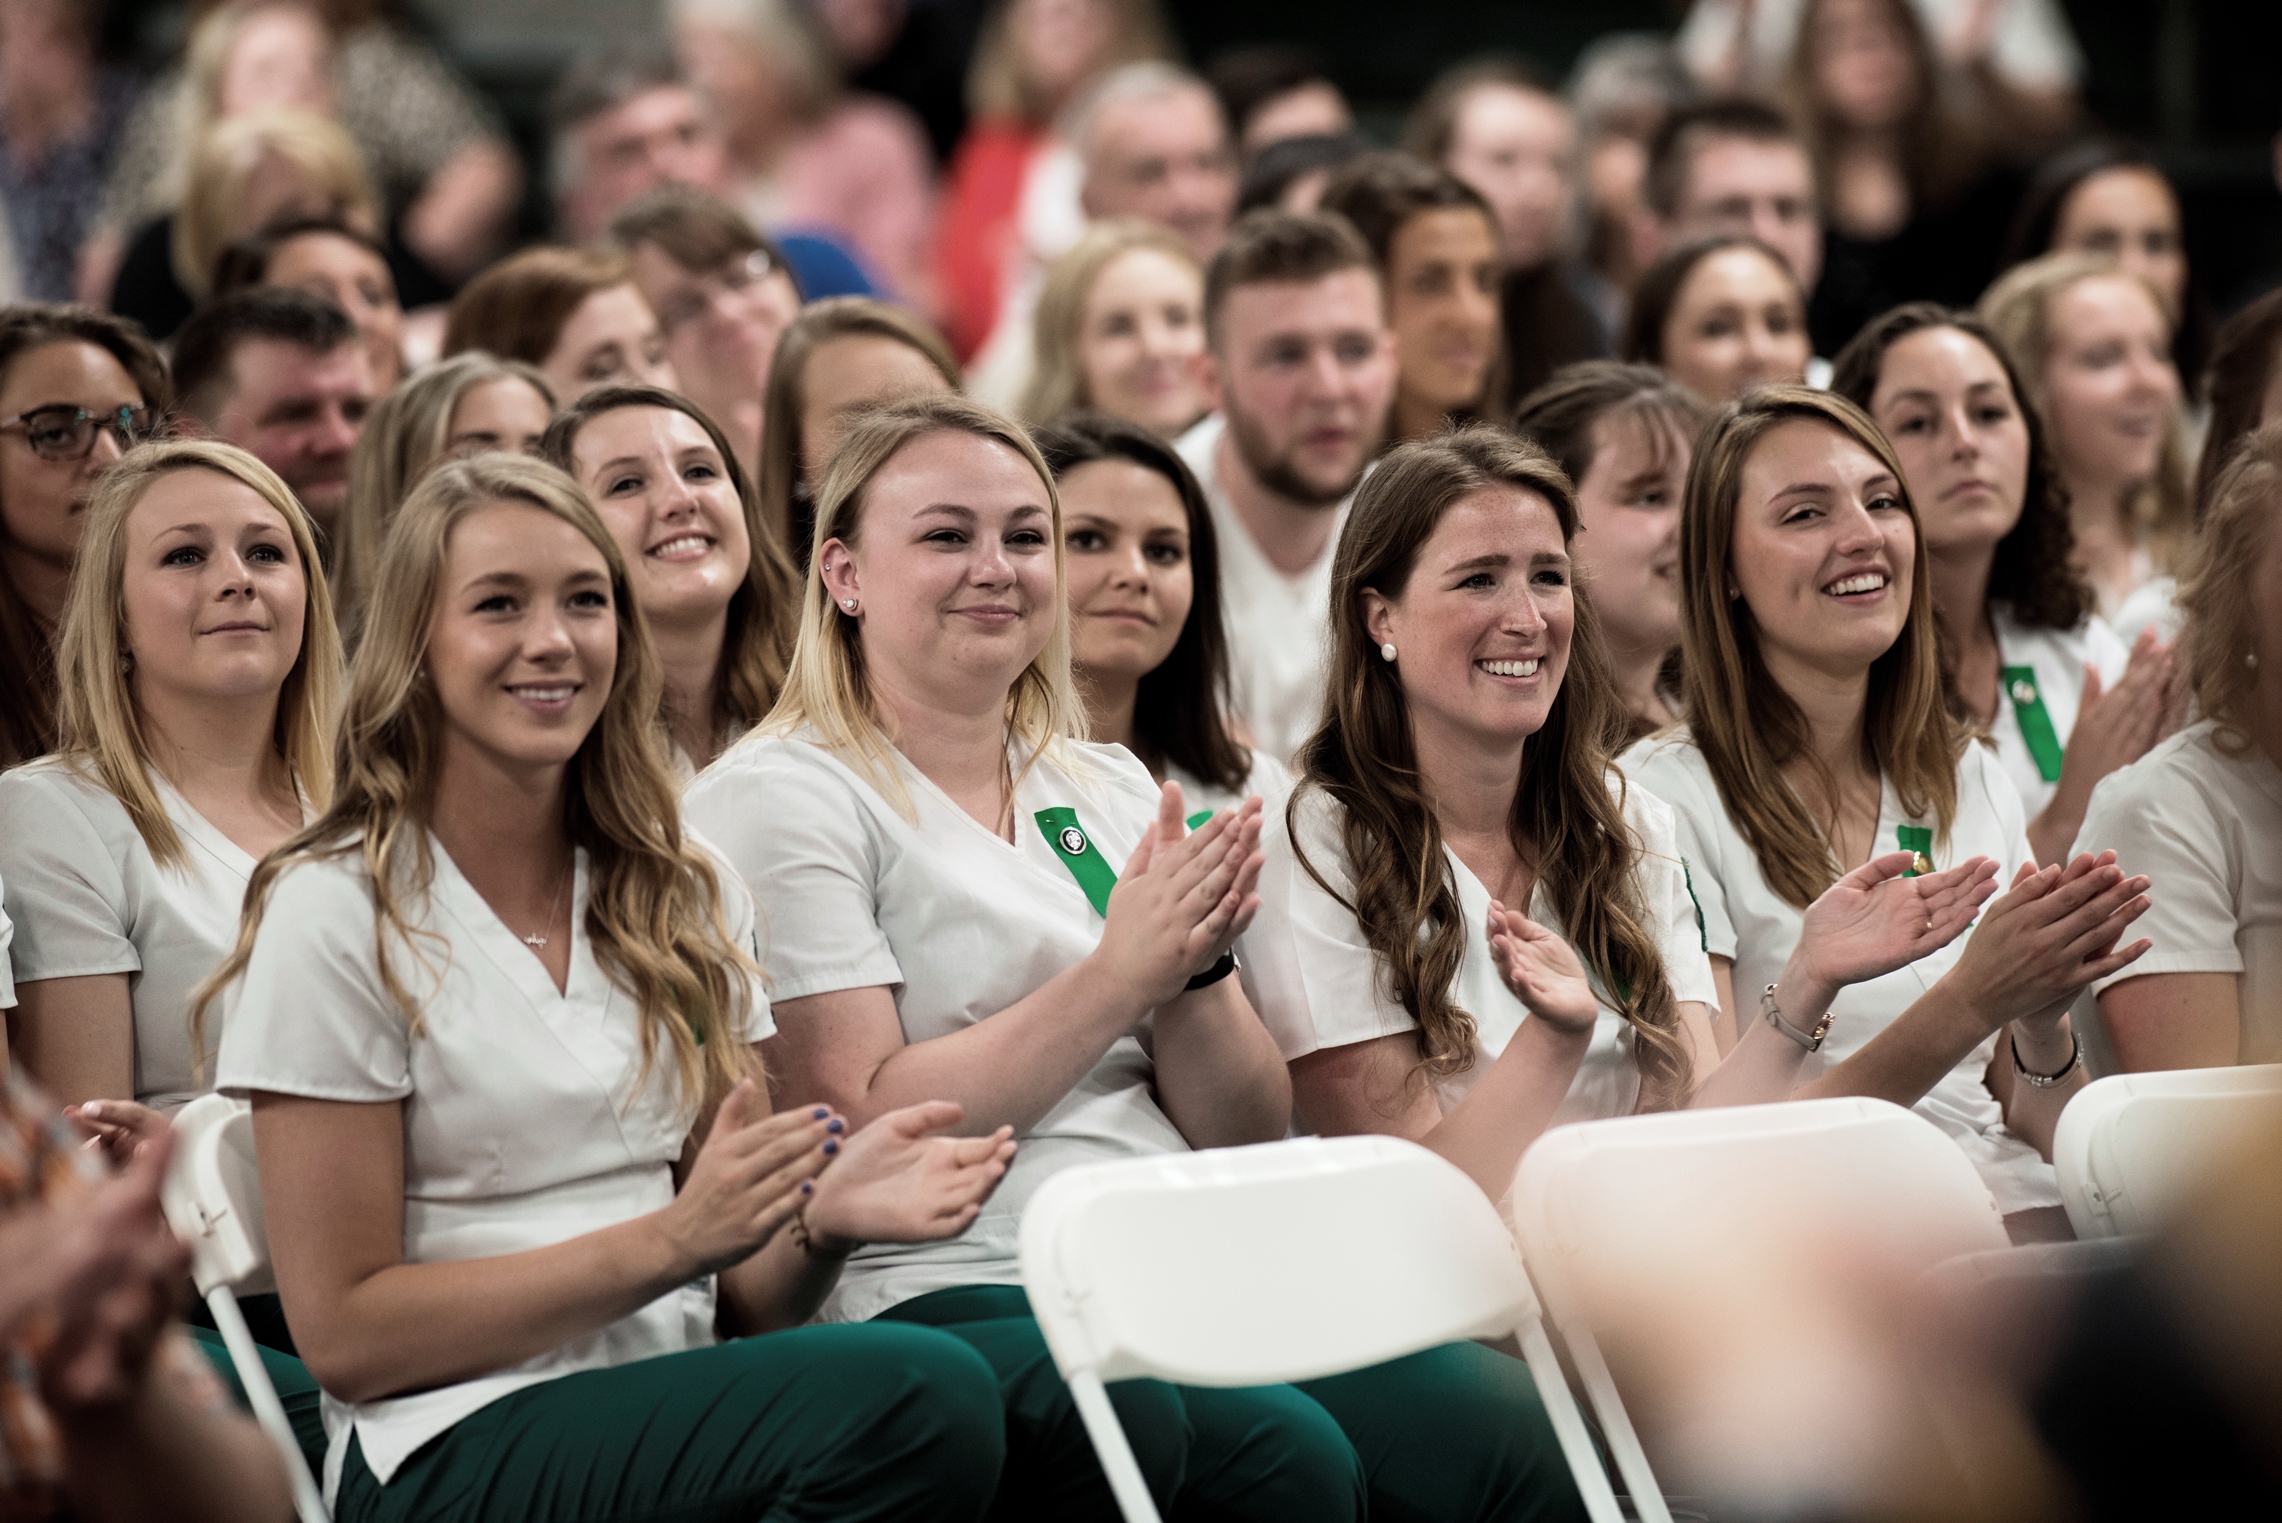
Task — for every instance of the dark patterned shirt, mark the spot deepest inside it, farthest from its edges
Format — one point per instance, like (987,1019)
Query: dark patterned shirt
(52,202)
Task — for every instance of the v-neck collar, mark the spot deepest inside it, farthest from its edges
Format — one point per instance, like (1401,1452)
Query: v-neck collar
(508,953)
(1013,801)
(202,832)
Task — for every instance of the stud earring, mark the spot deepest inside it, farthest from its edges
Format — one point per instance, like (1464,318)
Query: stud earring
(2250,659)
(1387,651)
(849,604)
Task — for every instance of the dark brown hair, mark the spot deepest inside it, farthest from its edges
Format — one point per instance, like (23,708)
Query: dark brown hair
(2242,363)
(1279,247)
(1559,416)
(1566,821)
(1941,153)
(698,231)
(1672,152)
(517,308)
(245,263)
(1433,123)
(1659,289)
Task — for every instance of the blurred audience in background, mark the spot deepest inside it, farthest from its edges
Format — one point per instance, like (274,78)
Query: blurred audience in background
(576,314)
(1622,89)
(1289,176)
(1720,315)
(1274,93)
(63,116)
(327,257)
(1120,330)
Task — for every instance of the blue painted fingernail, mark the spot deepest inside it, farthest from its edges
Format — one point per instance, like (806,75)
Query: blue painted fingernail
(835,1125)
(830,1147)
(819,1113)
(806,1188)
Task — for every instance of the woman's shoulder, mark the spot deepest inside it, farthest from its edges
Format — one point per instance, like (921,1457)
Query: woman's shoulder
(2092,641)
(40,795)
(1653,821)
(1108,775)
(2190,762)
(1669,765)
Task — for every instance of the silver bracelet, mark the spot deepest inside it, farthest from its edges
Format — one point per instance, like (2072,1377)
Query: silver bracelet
(2047,1081)
(1773,1014)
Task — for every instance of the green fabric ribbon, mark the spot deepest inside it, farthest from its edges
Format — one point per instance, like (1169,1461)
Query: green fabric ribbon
(2036,721)
(1917,838)
(1197,819)
(1062,831)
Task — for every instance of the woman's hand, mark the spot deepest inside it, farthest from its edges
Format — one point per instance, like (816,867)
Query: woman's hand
(2113,729)
(120,1127)
(896,1181)
(1874,920)
(2048,938)
(748,1180)
(1183,899)
(126,1270)
(1542,971)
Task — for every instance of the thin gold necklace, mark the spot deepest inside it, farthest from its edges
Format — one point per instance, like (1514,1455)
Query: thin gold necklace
(554,904)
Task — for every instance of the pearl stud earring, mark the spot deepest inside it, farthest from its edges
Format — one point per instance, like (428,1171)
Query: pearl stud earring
(1387,651)
(849,604)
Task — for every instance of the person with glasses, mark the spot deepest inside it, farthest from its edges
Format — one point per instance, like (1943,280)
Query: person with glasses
(723,294)
(77,388)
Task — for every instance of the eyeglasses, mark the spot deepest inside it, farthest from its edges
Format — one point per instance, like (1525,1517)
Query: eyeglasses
(61,431)
(712,289)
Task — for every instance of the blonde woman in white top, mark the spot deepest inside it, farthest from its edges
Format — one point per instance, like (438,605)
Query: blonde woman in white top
(497,1016)
(199,675)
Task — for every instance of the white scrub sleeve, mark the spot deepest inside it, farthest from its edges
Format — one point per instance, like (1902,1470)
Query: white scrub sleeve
(1662,873)
(2159,823)
(757,1022)
(1699,826)
(63,888)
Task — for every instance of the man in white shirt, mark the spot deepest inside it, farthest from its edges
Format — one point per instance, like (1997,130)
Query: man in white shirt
(1301,369)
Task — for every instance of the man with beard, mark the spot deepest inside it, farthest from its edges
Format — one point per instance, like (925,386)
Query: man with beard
(1301,369)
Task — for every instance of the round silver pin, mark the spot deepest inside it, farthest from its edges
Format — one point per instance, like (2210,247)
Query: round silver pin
(2024,691)
(1073,839)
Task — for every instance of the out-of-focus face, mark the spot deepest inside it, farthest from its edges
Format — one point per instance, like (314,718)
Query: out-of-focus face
(1141,341)
(1482,628)
(356,280)
(731,64)
(1166,159)
(2130,215)
(1765,189)
(1943,401)
(664,490)
(1736,323)
(213,588)
(300,413)
(1518,148)
(523,645)
(660,137)
(505,414)
(611,339)
(1310,110)
(721,327)
(1628,519)
(952,571)
(43,502)
(1824,552)
(2110,391)
(281,57)
(1058,44)
(1125,537)
(1304,371)
(1442,302)
(850,375)
(1863,70)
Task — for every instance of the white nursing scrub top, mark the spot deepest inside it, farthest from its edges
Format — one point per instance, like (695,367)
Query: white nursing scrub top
(524,1125)
(88,898)
(2040,687)
(1748,923)
(959,924)
(1269,780)
(7,978)
(2203,825)
(1317,984)
(1279,626)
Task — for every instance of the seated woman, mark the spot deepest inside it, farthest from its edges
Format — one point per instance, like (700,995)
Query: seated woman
(841,356)
(713,584)
(2202,812)
(1816,738)
(1146,643)
(723,294)
(466,405)
(2032,666)
(576,315)
(1436,243)
(1119,329)
(933,848)
(1720,316)
(1623,434)
(2092,343)
(327,257)
(497,1016)
(77,389)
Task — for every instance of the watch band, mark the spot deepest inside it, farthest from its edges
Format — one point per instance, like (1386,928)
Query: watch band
(1213,974)
(2048,1081)
(1773,1013)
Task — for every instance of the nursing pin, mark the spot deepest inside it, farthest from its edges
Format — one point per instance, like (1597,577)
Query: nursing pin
(2024,691)
(1921,864)
(1073,840)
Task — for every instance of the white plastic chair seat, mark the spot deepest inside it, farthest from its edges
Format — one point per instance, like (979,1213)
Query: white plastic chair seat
(2128,1146)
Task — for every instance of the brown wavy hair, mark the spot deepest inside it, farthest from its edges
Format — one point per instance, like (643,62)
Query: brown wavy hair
(653,909)
(2242,362)
(1747,727)
(2216,590)
(1566,821)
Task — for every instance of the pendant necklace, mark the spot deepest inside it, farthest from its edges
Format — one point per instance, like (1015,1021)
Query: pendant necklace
(539,941)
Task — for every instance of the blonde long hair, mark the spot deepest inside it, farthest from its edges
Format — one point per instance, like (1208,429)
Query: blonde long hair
(1058,377)
(101,727)
(2216,588)
(828,690)
(223,162)
(1747,727)
(653,908)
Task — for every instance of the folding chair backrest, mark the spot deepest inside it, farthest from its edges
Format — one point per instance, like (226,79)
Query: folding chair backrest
(1284,1261)
(213,1195)
(2127,1146)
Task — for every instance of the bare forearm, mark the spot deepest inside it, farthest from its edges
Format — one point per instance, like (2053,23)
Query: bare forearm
(1220,1078)
(461,217)
(2032,1111)
(779,1287)
(1910,1056)
(158,1455)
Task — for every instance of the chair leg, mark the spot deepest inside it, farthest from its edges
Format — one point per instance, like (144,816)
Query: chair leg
(1568,1424)
(1616,1424)
(1109,1445)
(245,1357)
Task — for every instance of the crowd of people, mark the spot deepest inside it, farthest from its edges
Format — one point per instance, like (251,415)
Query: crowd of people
(683,770)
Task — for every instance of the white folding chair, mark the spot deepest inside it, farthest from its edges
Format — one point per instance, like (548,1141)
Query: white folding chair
(1644,1193)
(2126,1146)
(1284,1261)
(213,1201)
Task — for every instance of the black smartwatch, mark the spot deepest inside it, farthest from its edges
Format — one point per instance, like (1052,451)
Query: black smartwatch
(1213,974)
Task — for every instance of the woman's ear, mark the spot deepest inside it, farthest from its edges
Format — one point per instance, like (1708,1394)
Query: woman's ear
(839,568)
(1378,617)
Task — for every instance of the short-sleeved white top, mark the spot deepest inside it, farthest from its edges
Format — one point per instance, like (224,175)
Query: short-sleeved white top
(2206,826)
(1279,625)
(88,898)
(1317,983)
(2030,44)
(2057,659)
(7,977)
(524,1125)
(1747,922)
(1269,779)
(960,924)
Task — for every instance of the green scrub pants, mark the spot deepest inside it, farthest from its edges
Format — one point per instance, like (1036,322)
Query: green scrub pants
(846,1424)
(296,1391)
(1453,1434)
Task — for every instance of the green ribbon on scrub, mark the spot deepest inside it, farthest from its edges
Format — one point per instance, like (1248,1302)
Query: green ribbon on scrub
(1197,819)
(2036,721)
(1062,831)
(1918,839)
